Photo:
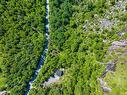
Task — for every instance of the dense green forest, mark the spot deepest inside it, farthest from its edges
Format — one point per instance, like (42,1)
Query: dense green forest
(22,26)
(77,45)
(81,34)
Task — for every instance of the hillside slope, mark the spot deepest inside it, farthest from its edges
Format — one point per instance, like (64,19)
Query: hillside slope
(86,50)
(81,34)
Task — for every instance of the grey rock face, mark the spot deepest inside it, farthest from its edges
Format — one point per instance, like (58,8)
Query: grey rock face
(106,23)
(102,83)
(3,93)
(117,45)
(106,89)
(121,43)
(110,66)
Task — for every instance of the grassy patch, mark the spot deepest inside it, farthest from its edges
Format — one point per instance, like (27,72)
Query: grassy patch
(2,83)
(118,80)
(2,79)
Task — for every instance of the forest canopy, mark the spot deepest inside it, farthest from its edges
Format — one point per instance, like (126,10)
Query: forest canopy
(81,37)
(22,27)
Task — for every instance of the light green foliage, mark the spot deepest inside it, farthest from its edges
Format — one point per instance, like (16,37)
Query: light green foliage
(76,44)
(79,51)
(117,80)
(74,49)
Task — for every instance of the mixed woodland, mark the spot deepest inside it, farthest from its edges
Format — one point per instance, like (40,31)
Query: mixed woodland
(77,44)
(79,40)
(22,28)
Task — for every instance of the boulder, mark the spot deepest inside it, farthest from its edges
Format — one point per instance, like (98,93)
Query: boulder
(120,43)
(3,92)
(106,89)
(102,83)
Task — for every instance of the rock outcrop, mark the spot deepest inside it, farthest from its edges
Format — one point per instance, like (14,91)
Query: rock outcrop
(111,65)
(3,92)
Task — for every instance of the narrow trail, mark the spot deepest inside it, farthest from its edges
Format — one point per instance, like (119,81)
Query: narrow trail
(42,59)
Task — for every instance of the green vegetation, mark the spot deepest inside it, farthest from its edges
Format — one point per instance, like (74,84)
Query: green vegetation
(77,45)
(81,32)
(22,26)
(118,80)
